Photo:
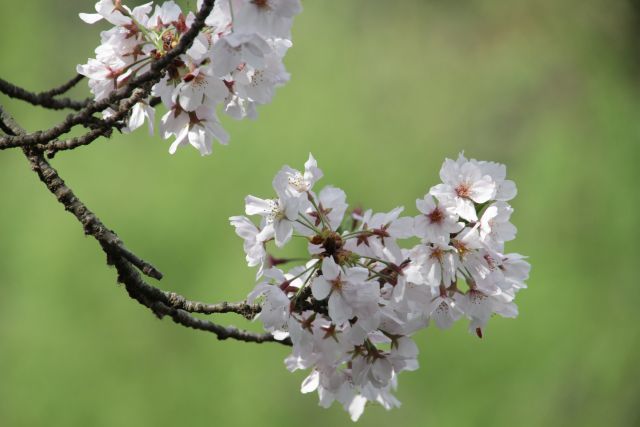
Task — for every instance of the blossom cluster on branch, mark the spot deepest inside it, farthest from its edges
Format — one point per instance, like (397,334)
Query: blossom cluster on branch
(235,62)
(352,304)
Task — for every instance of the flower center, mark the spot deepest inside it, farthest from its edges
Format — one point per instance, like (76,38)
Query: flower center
(463,190)
(297,182)
(460,247)
(336,284)
(257,78)
(443,309)
(275,211)
(331,242)
(435,216)
(436,253)
(476,297)
(262,4)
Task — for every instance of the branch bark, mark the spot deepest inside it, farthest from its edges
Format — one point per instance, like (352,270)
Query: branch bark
(46,99)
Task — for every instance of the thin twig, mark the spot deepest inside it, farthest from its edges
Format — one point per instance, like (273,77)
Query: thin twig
(65,87)
(43,99)
(8,125)
(102,127)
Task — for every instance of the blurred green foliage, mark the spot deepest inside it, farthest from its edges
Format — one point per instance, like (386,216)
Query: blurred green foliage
(381,92)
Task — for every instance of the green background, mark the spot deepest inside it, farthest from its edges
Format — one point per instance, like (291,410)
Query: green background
(381,93)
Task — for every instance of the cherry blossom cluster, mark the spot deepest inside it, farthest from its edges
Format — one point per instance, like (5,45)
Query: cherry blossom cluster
(353,301)
(235,62)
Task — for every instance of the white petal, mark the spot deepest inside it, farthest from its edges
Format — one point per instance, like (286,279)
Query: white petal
(320,288)
(466,209)
(330,269)
(483,190)
(506,190)
(257,206)
(267,233)
(280,335)
(137,117)
(283,232)
(310,383)
(356,407)
(90,18)
(425,205)
(339,310)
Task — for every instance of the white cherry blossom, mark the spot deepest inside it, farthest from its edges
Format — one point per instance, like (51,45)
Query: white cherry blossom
(444,310)
(438,220)
(270,18)
(495,228)
(198,128)
(351,308)
(253,247)
(235,63)
(278,217)
(236,50)
(464,184)
(350,292)
(111,10)
(290,182)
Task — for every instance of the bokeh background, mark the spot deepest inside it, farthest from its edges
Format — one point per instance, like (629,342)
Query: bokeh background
(381,93)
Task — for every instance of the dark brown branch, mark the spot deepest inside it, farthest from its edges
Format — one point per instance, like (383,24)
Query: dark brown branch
(101,128)
(8,125)
(152,76)
(69,144)
(159,302)
(178,301)
(90,222)
(65,87)
(44,99)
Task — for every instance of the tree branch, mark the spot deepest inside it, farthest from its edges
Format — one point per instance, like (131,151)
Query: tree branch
(90,222)
(242,308)
(161,303)
(102,127)
(152,76)
(45,99)
(65,87)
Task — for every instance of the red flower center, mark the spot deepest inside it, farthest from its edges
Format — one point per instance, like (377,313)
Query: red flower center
(435,216)
(263,4)
(463,190)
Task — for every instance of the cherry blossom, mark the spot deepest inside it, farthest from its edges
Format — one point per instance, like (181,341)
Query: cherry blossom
(465,184)
(352,304)
(234,64)
(438,220)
